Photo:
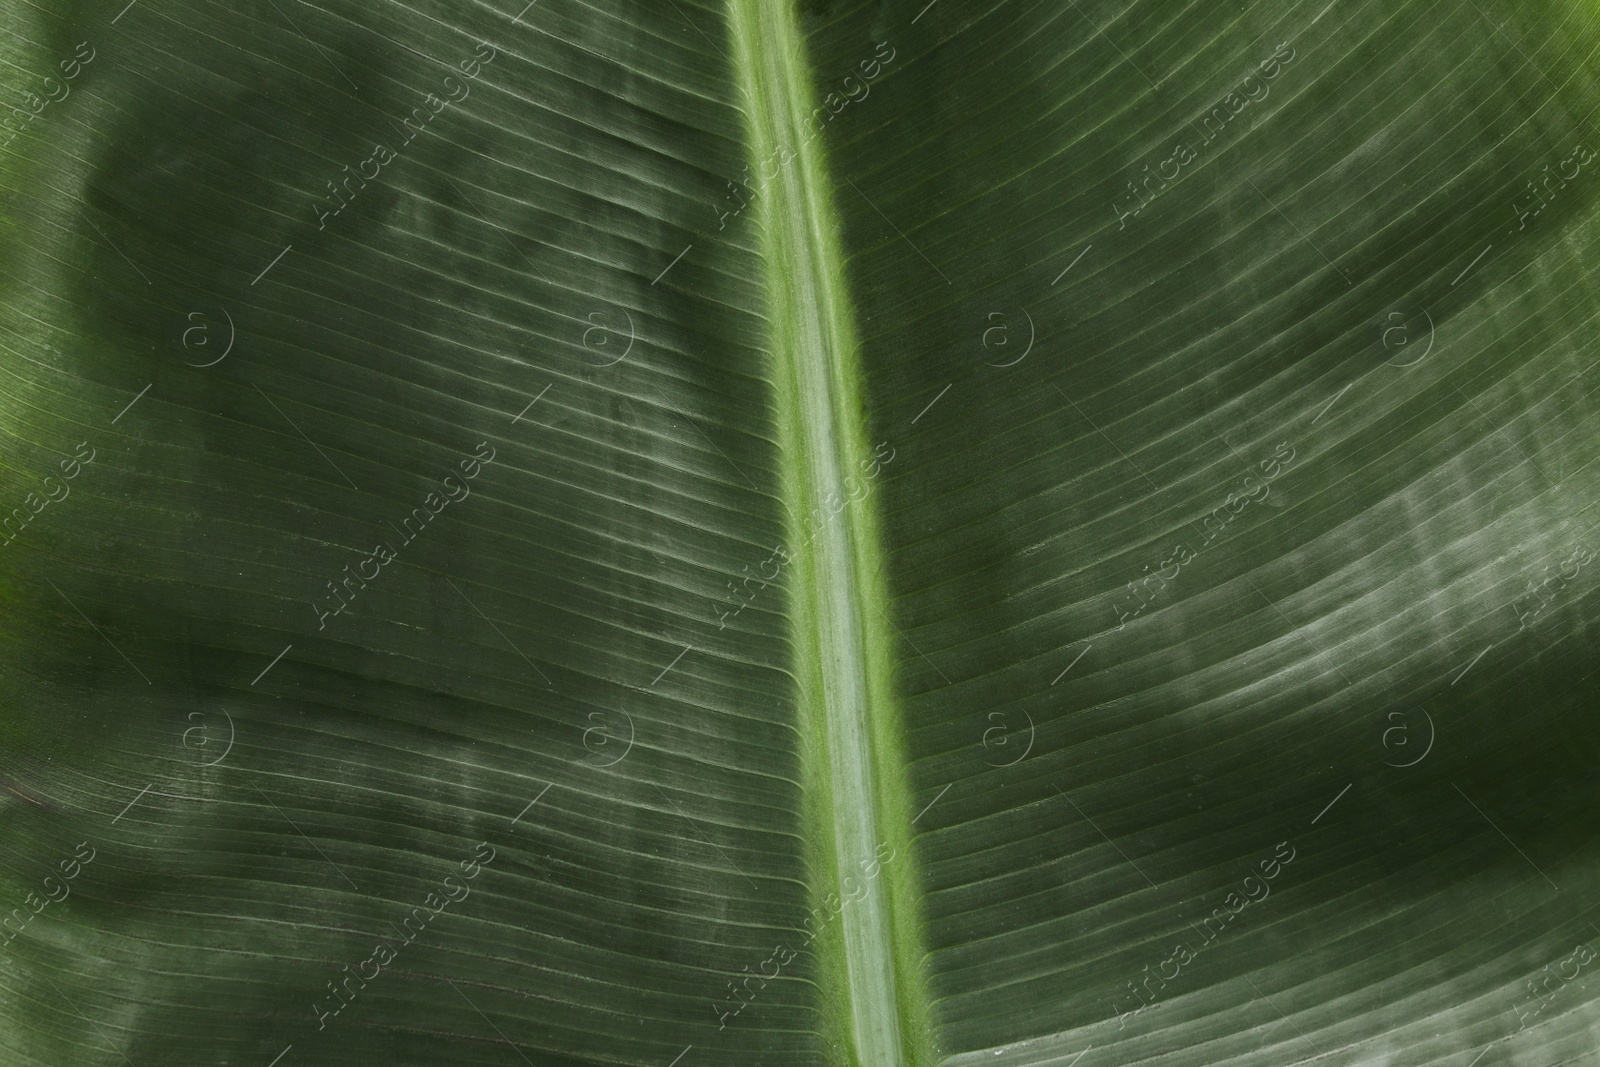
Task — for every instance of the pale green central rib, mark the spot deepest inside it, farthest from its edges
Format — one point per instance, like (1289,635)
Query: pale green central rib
(855,775)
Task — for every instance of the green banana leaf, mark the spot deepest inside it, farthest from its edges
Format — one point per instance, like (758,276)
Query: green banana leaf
(720,532)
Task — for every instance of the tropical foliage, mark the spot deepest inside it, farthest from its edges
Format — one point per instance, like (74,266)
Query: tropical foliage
(749,532)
